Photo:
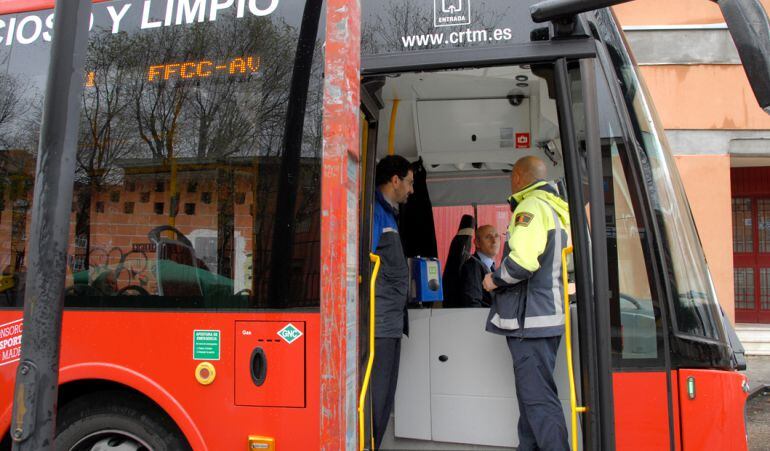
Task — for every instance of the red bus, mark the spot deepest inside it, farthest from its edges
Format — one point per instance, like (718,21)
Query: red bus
(203,243)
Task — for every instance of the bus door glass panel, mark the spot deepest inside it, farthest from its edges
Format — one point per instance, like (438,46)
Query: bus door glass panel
(695,305)
(641,407)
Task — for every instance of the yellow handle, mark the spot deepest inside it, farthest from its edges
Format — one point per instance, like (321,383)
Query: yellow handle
(365,385)
(574,408)
(392,128)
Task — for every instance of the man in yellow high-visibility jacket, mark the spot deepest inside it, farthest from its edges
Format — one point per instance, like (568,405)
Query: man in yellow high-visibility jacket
(528,302)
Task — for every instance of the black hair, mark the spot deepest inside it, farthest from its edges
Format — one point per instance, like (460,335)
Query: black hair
(390,166)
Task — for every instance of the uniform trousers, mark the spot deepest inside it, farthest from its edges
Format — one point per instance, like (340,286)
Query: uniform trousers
(541,419)
(387,353)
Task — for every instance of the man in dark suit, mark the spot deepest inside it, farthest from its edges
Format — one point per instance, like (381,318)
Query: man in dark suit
(474,269)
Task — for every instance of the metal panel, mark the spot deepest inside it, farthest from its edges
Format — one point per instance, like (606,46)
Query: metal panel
(37,379)
(339,209)
(712,410)
(458,58)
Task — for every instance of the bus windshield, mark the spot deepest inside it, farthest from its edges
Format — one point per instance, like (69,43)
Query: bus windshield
(695,304)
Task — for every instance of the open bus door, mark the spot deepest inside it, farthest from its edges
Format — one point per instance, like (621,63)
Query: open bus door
(430,393)
(653,357)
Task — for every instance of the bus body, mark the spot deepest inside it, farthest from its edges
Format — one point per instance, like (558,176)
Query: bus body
(194,272)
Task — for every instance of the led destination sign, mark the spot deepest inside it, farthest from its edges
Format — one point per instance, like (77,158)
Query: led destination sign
(190,70)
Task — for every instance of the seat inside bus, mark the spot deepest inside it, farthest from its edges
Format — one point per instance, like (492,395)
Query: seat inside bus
(456,383)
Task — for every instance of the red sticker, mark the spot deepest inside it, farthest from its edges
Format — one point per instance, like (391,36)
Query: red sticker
(522,140)
(10,342)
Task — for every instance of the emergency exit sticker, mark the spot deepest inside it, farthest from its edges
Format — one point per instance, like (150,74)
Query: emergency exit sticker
(205,345)
(10,342)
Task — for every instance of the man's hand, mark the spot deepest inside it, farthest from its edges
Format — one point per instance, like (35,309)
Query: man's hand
(488,283)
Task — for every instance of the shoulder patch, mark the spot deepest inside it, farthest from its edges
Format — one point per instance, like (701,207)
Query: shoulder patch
(523,219)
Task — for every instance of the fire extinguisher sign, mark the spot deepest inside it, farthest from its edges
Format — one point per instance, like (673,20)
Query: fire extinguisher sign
(522,140)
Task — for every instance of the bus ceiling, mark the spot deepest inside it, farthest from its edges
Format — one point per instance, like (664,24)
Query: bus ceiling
(746,20)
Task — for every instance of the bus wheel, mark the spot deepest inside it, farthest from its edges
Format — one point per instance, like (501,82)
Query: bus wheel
(115,421)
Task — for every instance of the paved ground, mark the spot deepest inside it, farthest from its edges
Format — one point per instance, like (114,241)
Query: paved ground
(758,408)
(758,371)
(758,416)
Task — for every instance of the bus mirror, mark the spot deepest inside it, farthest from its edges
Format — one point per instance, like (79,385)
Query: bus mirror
(748,25)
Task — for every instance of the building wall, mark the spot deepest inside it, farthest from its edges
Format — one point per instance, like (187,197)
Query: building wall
(704,100)
(710,203)
(667,12)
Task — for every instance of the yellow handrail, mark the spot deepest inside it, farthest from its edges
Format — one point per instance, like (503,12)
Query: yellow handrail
(392,128)
(574,408)
(363,157)
(365,385)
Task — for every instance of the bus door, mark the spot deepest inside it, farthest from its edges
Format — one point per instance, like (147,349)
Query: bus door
(668,332)
(452,118)
(371,104)
(627,282)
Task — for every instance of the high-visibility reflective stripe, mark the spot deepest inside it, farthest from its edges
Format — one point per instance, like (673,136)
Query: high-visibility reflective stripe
(507,278)
(556,264)
(389,230)
(507,324)
(529,322)
(543,321)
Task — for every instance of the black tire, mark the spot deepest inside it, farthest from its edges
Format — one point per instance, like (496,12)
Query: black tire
(115,417)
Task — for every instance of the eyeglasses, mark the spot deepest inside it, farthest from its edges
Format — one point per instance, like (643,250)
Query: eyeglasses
(408,181)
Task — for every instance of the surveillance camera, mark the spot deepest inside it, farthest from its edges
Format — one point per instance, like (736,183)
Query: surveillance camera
(515,99)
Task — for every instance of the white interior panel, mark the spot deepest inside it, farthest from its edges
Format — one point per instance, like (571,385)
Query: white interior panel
(478,364)
(478,420)
(472,130)
(412,409)
(470,397)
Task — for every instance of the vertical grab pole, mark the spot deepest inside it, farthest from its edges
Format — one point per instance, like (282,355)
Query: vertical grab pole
(574,408)
(37,377)
(392,128)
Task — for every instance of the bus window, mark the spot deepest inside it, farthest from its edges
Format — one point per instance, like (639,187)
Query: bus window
(183,133)
(16,179)
(695,304)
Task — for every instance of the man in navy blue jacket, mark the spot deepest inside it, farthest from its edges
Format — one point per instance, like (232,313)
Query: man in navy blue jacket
(394,179)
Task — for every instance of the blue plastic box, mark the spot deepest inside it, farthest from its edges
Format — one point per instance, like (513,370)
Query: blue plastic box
(426,283)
